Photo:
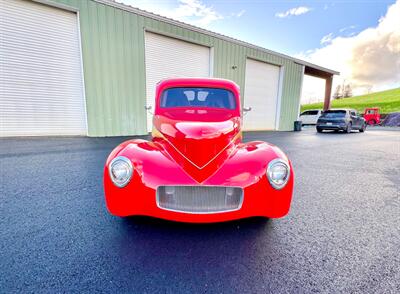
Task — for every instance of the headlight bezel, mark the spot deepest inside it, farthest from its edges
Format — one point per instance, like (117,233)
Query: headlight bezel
(130,171)
(271,164)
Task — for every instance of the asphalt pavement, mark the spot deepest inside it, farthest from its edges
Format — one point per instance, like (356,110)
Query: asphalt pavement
(342,234)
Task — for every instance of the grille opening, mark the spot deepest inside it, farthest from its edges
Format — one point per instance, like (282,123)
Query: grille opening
(199,199)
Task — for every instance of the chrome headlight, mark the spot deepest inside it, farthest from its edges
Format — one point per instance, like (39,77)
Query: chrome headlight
(120,170)
(278,173)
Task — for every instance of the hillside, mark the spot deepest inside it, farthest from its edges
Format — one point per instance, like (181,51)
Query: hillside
(388,101)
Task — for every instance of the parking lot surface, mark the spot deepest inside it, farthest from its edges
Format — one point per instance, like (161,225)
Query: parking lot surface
(341,235)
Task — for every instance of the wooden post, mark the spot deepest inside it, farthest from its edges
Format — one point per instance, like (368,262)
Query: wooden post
(328,92)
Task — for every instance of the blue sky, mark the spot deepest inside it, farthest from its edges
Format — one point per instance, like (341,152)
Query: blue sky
(311,30)
(293,34)
(303,32)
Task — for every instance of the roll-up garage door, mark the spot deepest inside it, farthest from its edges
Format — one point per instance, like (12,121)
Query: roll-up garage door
(261,94)
(169,58)
(41,84)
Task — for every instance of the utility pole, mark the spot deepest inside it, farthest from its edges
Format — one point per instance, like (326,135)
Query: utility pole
(344,81)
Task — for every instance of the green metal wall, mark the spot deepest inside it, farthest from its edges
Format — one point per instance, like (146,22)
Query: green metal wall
(114,69)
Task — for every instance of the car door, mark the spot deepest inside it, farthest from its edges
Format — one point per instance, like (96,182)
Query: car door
(313,116)
(355,119)
(309,117)
(304,117)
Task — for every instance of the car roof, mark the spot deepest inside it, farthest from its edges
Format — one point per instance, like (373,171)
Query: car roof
(198,81)
(344,109)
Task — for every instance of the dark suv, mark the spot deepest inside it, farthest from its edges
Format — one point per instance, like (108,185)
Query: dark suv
(340,119)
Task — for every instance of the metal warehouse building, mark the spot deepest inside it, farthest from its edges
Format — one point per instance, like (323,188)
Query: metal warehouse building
(88,67)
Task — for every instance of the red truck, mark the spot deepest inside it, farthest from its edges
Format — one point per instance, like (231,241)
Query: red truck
(372,116)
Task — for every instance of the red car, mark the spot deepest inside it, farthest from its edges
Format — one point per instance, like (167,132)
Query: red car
(196,168)
(372,116)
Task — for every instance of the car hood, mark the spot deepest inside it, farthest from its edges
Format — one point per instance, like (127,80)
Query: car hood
(200,147)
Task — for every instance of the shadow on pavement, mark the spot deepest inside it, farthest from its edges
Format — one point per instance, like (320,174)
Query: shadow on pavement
(182,252)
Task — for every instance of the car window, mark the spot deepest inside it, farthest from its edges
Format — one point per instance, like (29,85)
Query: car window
(353,113)
(309,112)
(198,97)
(334,113)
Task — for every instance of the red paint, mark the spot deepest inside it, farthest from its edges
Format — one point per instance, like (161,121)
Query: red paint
(197,146)
(372,116)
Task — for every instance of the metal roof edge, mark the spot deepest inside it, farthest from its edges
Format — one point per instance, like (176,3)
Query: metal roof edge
(183,25)
(309,64)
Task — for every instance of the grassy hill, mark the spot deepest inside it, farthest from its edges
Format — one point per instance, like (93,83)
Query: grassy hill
(388,101)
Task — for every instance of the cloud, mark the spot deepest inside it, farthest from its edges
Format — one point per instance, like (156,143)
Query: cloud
(194,12)
(239,14)
(293,12)
(347,28)
(326,39)
(370,58)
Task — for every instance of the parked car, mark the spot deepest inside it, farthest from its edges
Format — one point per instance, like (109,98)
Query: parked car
(310,117)
(341,119)
(196,167)
(372,116)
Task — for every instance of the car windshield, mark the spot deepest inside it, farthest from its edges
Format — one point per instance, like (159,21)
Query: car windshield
(334,113)
(310,112)
(198,97)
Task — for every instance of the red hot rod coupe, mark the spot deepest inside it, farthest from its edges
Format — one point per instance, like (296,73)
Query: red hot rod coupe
(196,168)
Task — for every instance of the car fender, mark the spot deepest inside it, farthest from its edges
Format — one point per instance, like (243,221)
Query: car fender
(153,167)
(153,164)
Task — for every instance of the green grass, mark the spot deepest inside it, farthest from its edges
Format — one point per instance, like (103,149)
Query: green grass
(388,101)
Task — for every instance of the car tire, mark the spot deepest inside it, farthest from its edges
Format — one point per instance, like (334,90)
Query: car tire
(371,122)
(362,130)
(319,130)
(348,128)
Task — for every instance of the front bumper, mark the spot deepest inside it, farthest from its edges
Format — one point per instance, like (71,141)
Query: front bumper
(331,127)
(259,199)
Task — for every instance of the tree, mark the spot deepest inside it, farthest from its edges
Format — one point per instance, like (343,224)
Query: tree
(347,91)
(338,92)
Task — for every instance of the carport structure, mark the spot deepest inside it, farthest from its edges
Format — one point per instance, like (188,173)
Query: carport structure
(92,66)
(325,74)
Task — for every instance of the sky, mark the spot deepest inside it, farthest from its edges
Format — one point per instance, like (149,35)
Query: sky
(359,38)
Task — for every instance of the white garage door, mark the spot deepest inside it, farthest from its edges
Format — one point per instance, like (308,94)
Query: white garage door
(169,58)
(41,88)
(261,94)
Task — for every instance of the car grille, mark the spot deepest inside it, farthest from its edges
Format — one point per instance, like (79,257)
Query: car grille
(199,199)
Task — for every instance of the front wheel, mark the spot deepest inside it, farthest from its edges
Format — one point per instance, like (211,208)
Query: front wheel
(362,130)
(319,130)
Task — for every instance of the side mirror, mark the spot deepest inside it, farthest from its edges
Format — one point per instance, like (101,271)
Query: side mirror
(148,108)
(246,110)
